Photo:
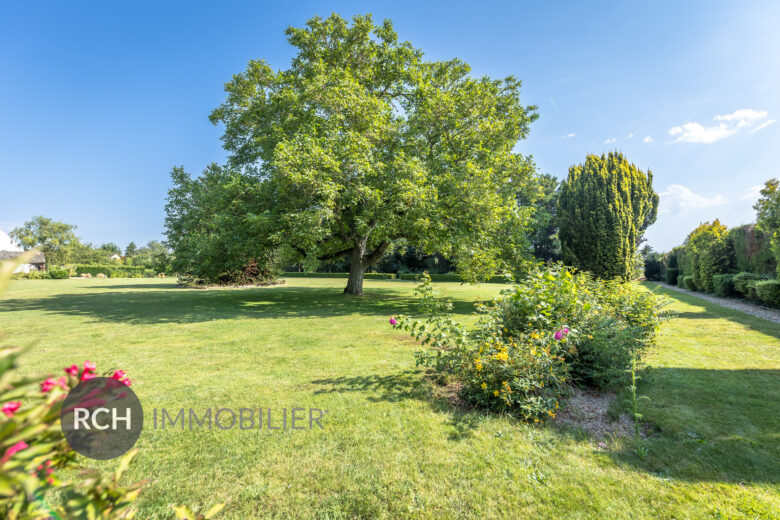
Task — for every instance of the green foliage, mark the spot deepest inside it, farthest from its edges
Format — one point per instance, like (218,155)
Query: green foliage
(604,207)
(50,237)
(671,275)
(724,285)
(545,244)
(768,292)
(708,253)
(689,282)
(752,250)
(768,216)
(743,281)
(361,143)
(551,327)
(654,268)
(57,274)
(219,230)
(131,250)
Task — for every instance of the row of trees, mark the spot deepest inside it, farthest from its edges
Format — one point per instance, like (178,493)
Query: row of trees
(728,262)
(60,245)
(363,149)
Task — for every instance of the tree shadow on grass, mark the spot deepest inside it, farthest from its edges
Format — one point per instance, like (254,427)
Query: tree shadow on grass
(713,425)
(406,385)
(174,305)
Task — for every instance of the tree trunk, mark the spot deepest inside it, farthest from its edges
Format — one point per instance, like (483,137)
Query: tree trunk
(357,268)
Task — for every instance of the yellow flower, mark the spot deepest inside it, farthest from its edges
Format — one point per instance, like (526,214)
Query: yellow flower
(495,393)
(484,386)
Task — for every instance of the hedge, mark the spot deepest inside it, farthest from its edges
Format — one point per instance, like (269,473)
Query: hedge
(689,283)
(114,271)
(768,292)
(742,282)
(367,276)
(671,275)
(752,250)
(448,277)
(724,285)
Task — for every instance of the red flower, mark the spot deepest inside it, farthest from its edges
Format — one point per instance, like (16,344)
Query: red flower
(89,366)
(86,376)
(119,374)
(127,382)
(72,370)
(62,382)
(48,384)
(9,409)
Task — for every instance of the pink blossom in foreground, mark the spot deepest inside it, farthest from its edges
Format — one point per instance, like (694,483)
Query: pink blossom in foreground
(392,321)
(89,366)
(48,384)
(13,450)
(118,375)
(86,376)
(9,409)
(72,370)
(559,335)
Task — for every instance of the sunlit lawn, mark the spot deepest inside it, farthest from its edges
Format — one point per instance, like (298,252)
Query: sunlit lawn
(391,447)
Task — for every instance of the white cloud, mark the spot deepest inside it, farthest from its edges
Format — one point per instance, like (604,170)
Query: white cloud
(678,197)
(630,135)
(728,124)
(647,139)
(610,140)
(752,193)
(762,125)
(568,136)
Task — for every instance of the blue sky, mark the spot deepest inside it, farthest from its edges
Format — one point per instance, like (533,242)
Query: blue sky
(98,100)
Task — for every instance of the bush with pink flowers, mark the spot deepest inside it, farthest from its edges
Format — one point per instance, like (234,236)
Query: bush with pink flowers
(551,329)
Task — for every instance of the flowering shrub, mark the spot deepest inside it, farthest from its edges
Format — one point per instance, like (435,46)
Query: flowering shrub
(551,328)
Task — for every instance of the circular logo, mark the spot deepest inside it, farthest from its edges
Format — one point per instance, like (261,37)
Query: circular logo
(101,418)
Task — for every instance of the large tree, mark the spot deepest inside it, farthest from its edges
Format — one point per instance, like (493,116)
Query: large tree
(604,207)
(54,239)
(362,142)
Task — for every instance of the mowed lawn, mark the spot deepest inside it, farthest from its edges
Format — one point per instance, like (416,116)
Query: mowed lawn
(392,446)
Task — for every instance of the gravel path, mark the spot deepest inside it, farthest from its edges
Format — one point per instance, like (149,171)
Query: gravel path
(738,305)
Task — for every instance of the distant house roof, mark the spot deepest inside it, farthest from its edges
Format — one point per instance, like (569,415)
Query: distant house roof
(10,255)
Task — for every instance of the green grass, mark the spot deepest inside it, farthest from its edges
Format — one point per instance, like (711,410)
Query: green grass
(392,448)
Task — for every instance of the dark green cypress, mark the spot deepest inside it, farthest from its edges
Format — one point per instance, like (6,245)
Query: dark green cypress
(604,207)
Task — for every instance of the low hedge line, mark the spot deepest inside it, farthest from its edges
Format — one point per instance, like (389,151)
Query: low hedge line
(367,276)
(750,286)
(113,271)
(447,277)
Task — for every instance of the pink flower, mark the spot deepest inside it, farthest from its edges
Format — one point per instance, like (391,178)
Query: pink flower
(127,382)
(9,409)
(119,374)
(13,450)
(86,376)
(392,321)
(559,335)
(72,370)
(48,384)
(89,366)
(62,382)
